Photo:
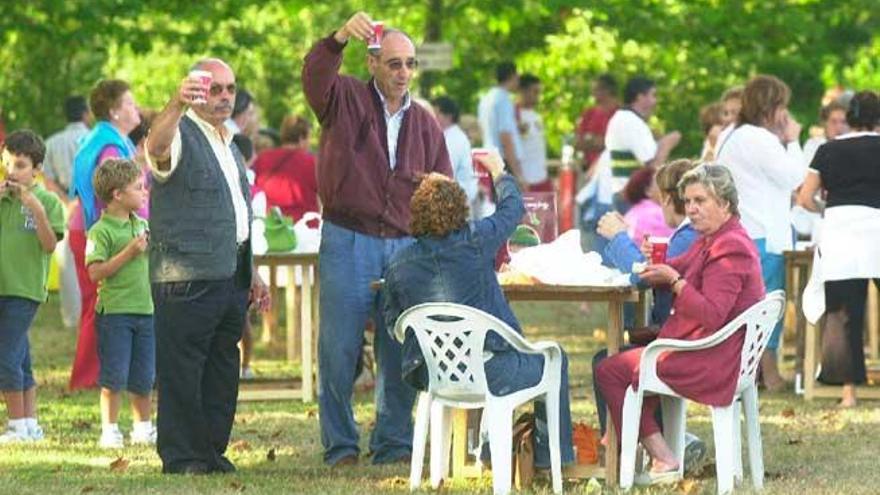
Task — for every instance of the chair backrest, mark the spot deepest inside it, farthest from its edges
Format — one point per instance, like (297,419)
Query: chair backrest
(451,337)
(759,321)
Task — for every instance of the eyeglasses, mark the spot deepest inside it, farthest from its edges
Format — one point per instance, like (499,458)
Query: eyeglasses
(396,64)
(216,89)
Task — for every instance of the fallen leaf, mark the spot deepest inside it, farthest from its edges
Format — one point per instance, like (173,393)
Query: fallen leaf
(311,413)
(395,482)
(119,465)
(793,441)
(788,413)
(81,424)
(87,489)
(687,486)
(276,434)
(240,445)
(270,456)
(237,485)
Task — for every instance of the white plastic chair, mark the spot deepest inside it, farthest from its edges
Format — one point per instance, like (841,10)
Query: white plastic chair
(759,321)
(451,338)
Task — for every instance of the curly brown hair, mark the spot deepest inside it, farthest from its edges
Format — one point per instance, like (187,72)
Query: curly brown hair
(106,96)
(114,174)
(668,177)
(439,206)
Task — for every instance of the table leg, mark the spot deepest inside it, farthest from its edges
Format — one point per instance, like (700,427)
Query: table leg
(615,336)
(270,318)
(292,307)
(800,281)
(459,442)
(873,325)
(306,335)
(810,360)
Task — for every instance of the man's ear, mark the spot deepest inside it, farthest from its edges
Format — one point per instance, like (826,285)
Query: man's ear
(371,64)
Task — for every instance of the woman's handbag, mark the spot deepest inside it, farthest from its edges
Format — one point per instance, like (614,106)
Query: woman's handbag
(280,236)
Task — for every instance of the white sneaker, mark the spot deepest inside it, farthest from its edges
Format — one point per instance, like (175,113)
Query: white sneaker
(11,435)
(36,433)
(143,438)
(111,440)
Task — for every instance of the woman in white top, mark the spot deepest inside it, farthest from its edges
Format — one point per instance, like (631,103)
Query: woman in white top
(849,246)
(765,158)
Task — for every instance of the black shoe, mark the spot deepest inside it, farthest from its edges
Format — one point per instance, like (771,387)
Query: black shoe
(192,468)
(224,465)
(346,461)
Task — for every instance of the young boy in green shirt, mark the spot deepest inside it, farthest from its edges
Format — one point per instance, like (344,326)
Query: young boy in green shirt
(117,261)
(31,222)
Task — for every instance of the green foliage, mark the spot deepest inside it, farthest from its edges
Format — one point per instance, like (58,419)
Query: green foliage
(694,49)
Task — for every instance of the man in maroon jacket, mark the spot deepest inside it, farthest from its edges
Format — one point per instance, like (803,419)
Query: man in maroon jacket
(375,147)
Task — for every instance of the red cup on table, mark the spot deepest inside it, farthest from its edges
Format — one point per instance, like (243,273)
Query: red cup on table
(375,41)
(204,77)
(659,246)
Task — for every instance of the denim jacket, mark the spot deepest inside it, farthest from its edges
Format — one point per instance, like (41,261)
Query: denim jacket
(623,252)
(458,268)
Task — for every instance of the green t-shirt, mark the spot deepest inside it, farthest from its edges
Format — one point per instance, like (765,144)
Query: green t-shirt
(24,265)
(128,290)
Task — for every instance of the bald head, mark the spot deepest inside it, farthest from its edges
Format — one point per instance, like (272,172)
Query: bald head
(393,65)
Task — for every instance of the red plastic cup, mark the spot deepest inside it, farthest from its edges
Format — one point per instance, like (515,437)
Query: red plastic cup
(659,245)
(375,41)
(479,170)
(205,78)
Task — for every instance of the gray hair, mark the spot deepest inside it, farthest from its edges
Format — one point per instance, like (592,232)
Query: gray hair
(717,180)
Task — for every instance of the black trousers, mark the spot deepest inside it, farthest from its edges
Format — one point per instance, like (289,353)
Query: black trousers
(843,348)
(198,326)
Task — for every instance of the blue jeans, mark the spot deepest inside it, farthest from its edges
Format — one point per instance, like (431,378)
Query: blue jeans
(349,261)
(508,372)
(773,273)
(16,316)
(127,352)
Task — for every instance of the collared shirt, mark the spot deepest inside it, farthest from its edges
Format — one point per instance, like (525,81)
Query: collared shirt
(497,114)
(61,147)
(393,123)
(128,290)
(220,140)
(24,265)
(460,155)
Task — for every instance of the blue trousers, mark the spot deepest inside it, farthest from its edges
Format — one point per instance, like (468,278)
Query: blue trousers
(16,316)
(773,272)
(509,372)
(349,262)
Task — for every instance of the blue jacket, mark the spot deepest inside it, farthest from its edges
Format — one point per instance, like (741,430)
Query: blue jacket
(458,268)
(622,252)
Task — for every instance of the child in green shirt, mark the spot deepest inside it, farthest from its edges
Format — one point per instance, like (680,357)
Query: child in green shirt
(31,222)
(117,261)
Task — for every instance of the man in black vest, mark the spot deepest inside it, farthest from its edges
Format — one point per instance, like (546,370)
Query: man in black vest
(201,270)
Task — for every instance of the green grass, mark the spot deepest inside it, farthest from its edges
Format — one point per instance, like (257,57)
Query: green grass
(809,448)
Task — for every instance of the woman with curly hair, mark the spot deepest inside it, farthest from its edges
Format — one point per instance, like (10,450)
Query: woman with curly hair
(453,260)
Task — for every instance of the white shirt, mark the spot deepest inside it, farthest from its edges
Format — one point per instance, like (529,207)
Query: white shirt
(534,146)
(496,115)
(459,149)
(393,123)
(220,142)
(765,173)
(61,148)
(627,131)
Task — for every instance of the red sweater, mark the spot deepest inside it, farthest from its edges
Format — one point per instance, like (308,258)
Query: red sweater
(287,176)
(357,187)
(723,274)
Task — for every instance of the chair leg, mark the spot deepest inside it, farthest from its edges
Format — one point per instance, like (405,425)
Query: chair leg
(722,417)
(737,443)
(420,434)
(552,404)
(632,413)
(441,431)
(674,426)
(501,447)
(753,430)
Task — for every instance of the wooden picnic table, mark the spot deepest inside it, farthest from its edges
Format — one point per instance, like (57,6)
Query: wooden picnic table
(301,297)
